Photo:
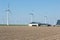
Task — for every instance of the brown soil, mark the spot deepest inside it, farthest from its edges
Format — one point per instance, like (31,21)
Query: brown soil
(29,33)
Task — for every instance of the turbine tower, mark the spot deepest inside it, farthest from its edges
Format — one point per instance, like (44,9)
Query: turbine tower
(31,17)
(7,12)
(45,19)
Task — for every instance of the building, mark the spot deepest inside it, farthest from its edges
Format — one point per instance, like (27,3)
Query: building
(58,22)
(33,24)
(38,24)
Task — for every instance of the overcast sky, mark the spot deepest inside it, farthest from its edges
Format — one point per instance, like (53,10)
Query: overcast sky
(21,9)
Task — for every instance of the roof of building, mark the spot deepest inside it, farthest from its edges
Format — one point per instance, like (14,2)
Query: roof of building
(34,23)
(39,23)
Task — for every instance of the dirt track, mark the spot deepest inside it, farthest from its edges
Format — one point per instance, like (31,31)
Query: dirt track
(29,33)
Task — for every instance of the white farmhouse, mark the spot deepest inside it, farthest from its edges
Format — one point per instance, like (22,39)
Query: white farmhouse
(33,24)
(38,24)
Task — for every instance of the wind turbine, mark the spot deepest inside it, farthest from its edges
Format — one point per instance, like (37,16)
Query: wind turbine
(45,19)
(31,17)
(7,12)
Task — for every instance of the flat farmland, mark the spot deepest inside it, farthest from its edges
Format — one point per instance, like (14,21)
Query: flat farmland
(29,33)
